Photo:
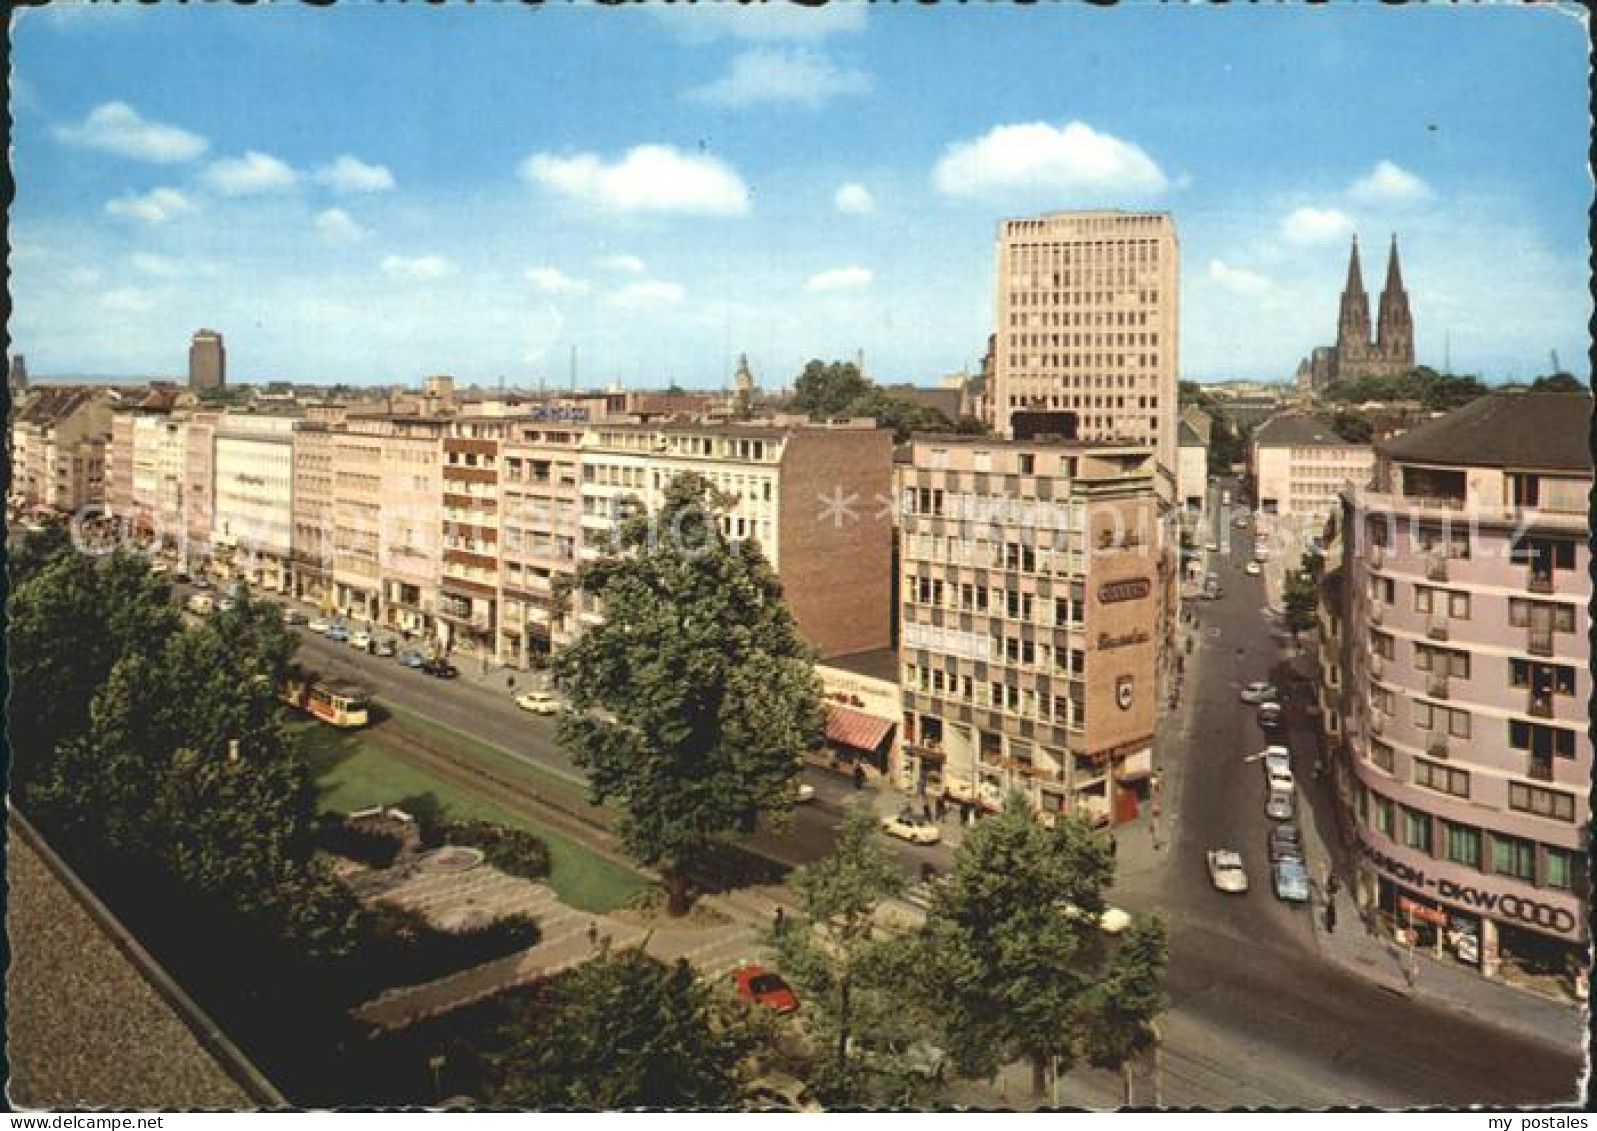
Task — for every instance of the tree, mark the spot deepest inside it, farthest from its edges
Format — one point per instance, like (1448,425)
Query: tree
(1559,382)
(853,978)
(1012,941)
(693,701)
(1122,1008)
(1352,427)
(1301,598)
(902,415)
(623,1031)
(828,388)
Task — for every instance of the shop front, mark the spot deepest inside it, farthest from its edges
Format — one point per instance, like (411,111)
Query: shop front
(863,713)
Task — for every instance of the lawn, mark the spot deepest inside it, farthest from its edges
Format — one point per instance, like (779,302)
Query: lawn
(356,774)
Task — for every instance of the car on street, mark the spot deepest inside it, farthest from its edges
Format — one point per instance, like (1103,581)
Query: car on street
(1213,547)
(1280,806)
(318,626)
(441,669)
(1291,880)
(294,616)
(411,658)
(385,647)
(1252,569)
(1259,692)
(538,702)
(361,639)
(806,792)
(1278,774)
(1285,841)
(1277,760)
(159,569)
(913,827)
(225,604)
(1226,872)
(338,632)
(1270,716)
(199,604)
(1111,921)
(759,986)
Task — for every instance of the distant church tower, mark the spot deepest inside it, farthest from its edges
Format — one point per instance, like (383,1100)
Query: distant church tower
(743,389)
(1353,323)
(1388,352)
(1395,332)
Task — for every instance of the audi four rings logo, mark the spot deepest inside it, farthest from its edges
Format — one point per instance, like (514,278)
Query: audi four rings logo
(1536,914)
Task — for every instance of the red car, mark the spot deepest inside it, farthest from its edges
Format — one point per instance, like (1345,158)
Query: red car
(758,985)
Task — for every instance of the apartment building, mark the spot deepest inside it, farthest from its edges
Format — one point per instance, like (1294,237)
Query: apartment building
(159,450)
(253,521)
(1086,313)
(1033,589)
(357,518)
(540,500)
(314,498)
(199,483)
(1192,468)
(468,588)
(814,496)
(58,448)
(410,543)
(1300,467)
(1468,679)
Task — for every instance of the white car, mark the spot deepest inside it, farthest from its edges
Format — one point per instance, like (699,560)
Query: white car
(1112,920)
(1280,805)
(1259,692)
(538,702)
(361,639)
(1252,569)
(1279,778)
(912,827)
(806,792)
(1277,760)
(318,626)
(200,604)
(1213,547)
(1226,871)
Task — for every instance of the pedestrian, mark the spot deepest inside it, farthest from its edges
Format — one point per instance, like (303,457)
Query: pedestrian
(593,933)
(510,682)
(779,921)
(859,776)
(942,808)
(1332,886)
(926,811)
(1114,846)
(1330,916)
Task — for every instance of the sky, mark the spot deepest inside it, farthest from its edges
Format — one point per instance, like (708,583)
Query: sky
(370,194)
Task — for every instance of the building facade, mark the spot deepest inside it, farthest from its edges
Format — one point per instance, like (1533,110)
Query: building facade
(207,361)
(541,525)
(411,540)
(357,518)
(468,594)
(59,437)
(1086,308)
(1468,679)
(1300,467)
(313,507)
(253,522)
(1031,613)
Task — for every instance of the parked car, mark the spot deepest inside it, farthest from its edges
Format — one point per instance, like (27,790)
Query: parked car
(1226,872)
(760,986)
(385,647)
(199,604)
(1285,841)
(338,632)
(411,658)
(1259,692)
(1252,569)
(913,827)
(1277,761)
(159,569)
(442,669)
(538,702)
(1270,716)
(317,625)
(1280,806)
(1291,880)
(806,792)
(294,616)
(361,639)
(1111,921)
(1213,547)
(224,604)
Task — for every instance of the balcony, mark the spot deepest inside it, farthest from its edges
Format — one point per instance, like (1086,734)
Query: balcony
(1540,769)
(1436,746)
(1436,628)
(1377,665)
(1377,556)
(1437,686)
(1540,706)
(1377,611)
(1377,722)
(1436,567)
(1539,641)
(1539,580)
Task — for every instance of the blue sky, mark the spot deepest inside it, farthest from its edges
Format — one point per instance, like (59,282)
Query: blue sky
(372,194)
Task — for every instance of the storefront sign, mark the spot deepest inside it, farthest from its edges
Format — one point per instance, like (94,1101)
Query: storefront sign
(1509,905)
(1108,641)
(1127,540)
(1131,589)
(1123,692)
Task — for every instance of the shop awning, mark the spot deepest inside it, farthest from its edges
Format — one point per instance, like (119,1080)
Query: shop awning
(849,727)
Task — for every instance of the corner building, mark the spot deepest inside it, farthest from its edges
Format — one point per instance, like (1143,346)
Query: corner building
(1029,595)
(1468,678)
(1086,314)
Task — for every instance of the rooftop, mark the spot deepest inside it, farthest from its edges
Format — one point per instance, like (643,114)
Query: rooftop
(1549,431)
(1299,430)
(46,406)
(1189,437)
(879,663)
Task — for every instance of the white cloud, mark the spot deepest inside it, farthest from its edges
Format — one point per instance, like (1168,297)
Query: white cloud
(840,279)
(350,175)
(128,300)
(765,75)
(640,296)
(157,265)
(118,128)
(1238,279)
(854,198)
(701,23)
(649,178)
(417,269)
(626,264)
(1388,184)
(1038,156)
(553,281)
(255,172)
(155,207)
(337,227)
(1316,225)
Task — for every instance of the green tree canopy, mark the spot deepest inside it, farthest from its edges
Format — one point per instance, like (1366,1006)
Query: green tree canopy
(1301,597)
(1559,382)
(1013,969)
(828,388)
(1122,1007)
(1353,427)
(623,1031)
(693,701)
(901,414)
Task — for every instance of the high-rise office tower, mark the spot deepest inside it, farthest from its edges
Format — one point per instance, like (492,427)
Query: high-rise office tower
(207,361)
(1086,327)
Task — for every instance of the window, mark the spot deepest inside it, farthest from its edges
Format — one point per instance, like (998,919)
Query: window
(1458,606)
(1448,720)
(1381,645)
(1463,844)
(1541,741)
(1443,779)
(1548,803)
(1558,868)
(1514,856)
(1381,754)
(1542,678)
(1417,830)
(1422,599)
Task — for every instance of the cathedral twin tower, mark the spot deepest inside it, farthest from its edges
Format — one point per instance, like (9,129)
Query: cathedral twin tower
(1388,353)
